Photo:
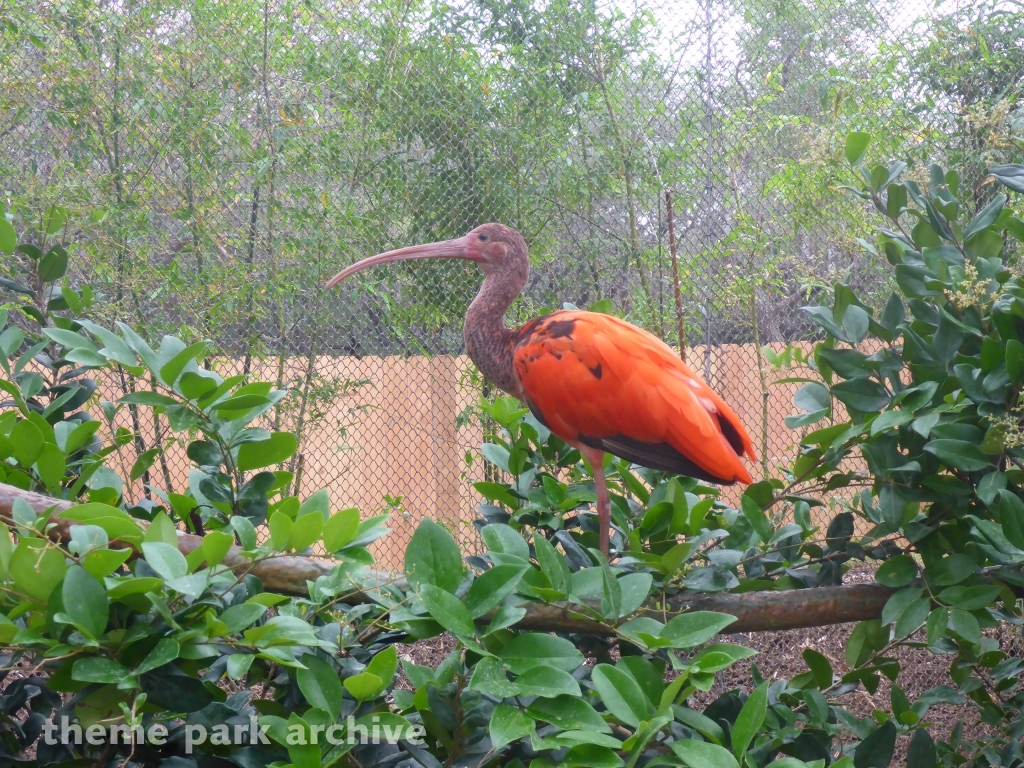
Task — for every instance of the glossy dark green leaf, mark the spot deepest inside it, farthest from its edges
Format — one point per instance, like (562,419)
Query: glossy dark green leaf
(876,751)
(534,649)
(950,570)
(1015,361)
(320,684)
(820,667)
(489,590)
(986,217)
(447,610)
(750,719)
(958,454)
(85,601)
(897,571)
(620,693)
(279,447)
(921,752)
(433,557)
(862,395)
(1010,175)
(53,265)
(508,724)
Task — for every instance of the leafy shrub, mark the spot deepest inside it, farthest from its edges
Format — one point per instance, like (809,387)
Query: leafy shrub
(126,618)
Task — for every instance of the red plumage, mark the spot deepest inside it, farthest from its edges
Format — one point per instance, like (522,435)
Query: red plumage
(598,381)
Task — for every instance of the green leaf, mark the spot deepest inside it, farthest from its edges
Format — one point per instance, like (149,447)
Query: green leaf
(1011,512)
(715,658)
(170,371)
(433,557)
(54,219)
(241,403)
(36,568)
(6,550)
(98,670)
(340,529)
(165,559)
(280,530)
(568,713)
(530,650)
(912,617)
(958,454)
(897,571)
(505,539)
(552,564)
(238,665)
(855,323)
(28,442)
(1011,176)
(245,531)
(239,617)
(148,398)
(965,625)
(1015,361)
(611,593)
(877,749)
(216,545)
(749,720)
(757,518)
(508,724)
(856,145)
(547,682)
(986,217)
(700,754)
(363,686)
(320,684)
(279,447)
(620,694)
(50,466)
(166,651)
(305,531)
(447,610)
(103,562)
(85,601)
(922,753)
(195,384)
(820,667)
(53,265)
(950,570)
(143,463)
(8,237)
(862,395)
(162,529)
(491,588)
(695,628)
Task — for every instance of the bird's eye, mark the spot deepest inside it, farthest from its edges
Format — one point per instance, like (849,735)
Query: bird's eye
(483,238)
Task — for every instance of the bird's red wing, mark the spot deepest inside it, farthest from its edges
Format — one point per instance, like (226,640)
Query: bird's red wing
(599,381)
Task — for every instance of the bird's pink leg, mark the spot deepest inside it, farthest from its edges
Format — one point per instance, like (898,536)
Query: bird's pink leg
(604,504)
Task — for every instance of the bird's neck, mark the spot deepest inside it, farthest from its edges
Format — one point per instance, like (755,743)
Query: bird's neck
(488,341)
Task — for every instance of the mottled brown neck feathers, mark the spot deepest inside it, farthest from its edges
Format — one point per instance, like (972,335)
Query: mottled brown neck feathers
(488,342)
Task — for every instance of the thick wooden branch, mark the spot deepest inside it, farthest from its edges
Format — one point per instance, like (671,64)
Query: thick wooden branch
(755,611)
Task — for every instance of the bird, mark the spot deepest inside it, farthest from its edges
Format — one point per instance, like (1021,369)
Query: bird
(599,383)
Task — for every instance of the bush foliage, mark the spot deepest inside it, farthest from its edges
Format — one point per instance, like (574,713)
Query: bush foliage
(120,622)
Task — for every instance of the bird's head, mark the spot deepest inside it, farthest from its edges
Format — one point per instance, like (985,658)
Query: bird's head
(495,247)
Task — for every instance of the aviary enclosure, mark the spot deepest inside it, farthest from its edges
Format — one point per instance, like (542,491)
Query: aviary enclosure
(239,508)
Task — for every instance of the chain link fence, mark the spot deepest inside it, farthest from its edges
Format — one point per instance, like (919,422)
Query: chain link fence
(681,160)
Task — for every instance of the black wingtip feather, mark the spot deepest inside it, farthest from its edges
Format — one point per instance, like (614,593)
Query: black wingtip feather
(661,456)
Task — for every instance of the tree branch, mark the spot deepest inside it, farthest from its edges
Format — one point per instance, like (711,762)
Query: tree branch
(755,611)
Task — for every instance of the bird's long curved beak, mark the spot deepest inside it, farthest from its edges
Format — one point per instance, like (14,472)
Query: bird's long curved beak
(446,249)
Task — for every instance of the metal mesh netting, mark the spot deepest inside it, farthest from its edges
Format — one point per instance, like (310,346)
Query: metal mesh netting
(222,159)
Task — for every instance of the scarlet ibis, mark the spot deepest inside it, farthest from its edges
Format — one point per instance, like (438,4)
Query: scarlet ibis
(597,382)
